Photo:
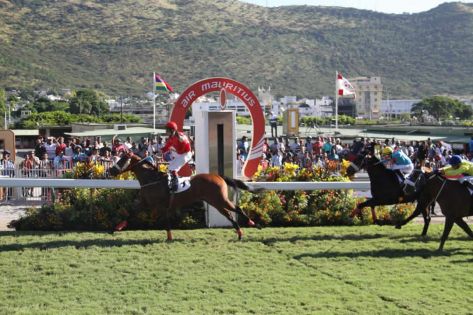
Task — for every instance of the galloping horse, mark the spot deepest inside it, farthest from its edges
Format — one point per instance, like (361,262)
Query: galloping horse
(204,187)
(384,185)
(454,200)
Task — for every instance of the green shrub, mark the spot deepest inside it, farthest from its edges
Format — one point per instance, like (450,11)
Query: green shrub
(318,207)
(102,209)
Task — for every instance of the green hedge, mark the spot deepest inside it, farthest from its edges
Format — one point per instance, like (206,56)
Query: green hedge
(102,209)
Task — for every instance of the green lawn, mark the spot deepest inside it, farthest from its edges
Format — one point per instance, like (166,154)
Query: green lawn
(325,270)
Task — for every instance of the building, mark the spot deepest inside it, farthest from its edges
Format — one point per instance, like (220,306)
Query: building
(369,93)
(324,107)
(393,108)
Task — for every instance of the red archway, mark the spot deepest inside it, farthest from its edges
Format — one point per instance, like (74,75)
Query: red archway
(245,95)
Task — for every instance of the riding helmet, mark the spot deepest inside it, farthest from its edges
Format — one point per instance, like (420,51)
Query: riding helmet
(455,160)
(387,150)
(171,125)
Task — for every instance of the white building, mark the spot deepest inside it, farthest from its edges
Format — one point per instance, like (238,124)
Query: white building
(397,107)
(324,107)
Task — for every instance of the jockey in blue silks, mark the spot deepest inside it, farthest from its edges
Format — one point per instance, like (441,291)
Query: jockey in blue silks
(399,162)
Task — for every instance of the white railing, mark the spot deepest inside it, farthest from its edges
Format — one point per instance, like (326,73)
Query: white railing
(133,184)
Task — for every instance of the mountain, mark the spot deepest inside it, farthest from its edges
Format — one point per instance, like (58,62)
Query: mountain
(115,45)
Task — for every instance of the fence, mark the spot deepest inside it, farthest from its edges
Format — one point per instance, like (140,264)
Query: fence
(31,174)
(42,189)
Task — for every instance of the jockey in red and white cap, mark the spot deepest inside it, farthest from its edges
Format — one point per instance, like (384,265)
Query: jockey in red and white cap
(179,148)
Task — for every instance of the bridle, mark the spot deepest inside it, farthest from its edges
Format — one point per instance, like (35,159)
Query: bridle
(127,167)
(363,163)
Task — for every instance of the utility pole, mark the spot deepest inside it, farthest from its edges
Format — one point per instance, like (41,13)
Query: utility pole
(121,109)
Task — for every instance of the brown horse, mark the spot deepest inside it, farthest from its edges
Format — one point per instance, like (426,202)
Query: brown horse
(210,188)
(454,200)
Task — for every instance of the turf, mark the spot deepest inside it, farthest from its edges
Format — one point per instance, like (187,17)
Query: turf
(325,270)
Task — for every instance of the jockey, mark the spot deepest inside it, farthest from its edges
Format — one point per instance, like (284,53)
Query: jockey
(458,168)
(179,147)
(400,162)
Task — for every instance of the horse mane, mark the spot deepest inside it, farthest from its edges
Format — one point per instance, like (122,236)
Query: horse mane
(146,166)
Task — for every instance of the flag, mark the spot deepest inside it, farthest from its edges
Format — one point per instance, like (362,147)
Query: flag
(344,87)
(161,86)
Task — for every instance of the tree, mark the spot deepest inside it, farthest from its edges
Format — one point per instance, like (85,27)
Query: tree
(43,104)
(88,102)
(442,107)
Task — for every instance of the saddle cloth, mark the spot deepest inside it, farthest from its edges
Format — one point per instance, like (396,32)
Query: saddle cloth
(184,183)
(469,180)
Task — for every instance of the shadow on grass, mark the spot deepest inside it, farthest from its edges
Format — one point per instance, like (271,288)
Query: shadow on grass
(382,253)
(325,237)
(80,244)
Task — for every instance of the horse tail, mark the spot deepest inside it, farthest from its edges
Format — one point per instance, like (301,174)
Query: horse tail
(239,184)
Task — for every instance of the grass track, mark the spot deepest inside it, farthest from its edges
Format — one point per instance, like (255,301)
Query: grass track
(326,270)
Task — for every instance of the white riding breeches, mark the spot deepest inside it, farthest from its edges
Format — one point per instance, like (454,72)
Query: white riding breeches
(406,170)
(178,160)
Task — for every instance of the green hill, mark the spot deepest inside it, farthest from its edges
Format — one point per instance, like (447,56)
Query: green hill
(115,45)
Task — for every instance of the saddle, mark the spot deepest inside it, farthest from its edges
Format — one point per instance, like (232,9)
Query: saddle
(184,184)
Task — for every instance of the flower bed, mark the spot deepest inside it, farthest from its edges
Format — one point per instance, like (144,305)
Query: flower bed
(318,207)
(102,209)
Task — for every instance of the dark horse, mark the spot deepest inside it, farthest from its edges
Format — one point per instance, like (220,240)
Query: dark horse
(384,184)
(454,200)
(155,193)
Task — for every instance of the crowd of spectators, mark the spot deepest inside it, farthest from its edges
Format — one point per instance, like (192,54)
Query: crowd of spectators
(51,157)
(309,151)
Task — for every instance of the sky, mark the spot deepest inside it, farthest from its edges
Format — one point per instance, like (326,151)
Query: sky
(386,6)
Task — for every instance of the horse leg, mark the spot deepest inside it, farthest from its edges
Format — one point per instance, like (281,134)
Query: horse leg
(418,210)
(356,212)
(226,213)
(373,215)
(464,226)
(168,227)
(426,215)
(446,231)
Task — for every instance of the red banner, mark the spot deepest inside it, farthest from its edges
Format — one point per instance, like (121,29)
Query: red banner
(209,85)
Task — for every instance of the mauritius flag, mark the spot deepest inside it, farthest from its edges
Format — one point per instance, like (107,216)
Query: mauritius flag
(161,86)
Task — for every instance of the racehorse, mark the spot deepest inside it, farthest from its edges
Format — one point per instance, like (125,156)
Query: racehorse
(210,188)
(454,200)
(384,184)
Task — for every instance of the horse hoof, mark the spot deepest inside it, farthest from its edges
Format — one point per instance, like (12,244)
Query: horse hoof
(251,223)
(240,234)
(397,226)
(120,226)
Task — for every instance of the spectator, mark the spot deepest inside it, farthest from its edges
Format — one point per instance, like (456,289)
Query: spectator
(39,148)
(242,147)
(51,148)
(78,155)
(60,145)
(277,152)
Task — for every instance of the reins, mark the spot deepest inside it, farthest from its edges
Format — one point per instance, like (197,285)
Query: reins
(444,181)
(140,162)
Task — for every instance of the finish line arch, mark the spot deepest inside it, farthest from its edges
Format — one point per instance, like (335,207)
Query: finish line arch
(200,88)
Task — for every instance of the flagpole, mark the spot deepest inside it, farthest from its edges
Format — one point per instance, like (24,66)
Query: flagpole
(154,101)
(336,101)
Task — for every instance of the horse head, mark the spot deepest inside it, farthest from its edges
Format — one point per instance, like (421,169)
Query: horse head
(127,162)
(417,180)
(363,160)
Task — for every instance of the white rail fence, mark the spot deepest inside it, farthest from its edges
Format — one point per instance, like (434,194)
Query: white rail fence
(133,184)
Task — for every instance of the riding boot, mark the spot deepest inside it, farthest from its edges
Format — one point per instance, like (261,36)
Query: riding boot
(173,185)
